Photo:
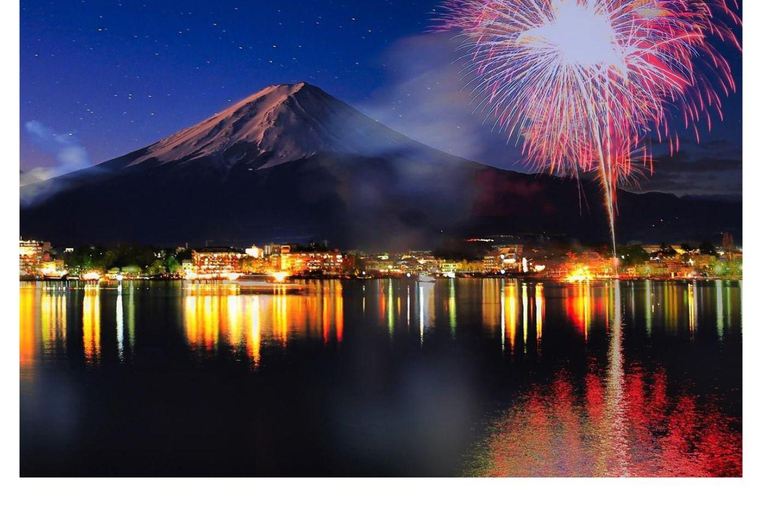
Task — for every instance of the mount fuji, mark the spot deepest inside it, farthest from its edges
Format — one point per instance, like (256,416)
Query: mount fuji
(292,162)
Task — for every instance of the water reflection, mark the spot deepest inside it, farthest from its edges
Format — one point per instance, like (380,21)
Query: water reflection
(539,311)
(91,324)
(119,327)
(246,321)
(28,333)
(614,424)
(719,309)
(599,394)
(578,299)
(637,429)
(512,311)
(693,307)
(426,308)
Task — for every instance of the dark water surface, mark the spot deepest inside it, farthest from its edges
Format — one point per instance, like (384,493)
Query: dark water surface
(389,377)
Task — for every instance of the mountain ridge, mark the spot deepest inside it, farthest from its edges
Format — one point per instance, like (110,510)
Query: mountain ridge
(292,160)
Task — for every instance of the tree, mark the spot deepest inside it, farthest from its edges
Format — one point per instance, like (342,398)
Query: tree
(172,265)
(131,270)
(157,268)
(631,255)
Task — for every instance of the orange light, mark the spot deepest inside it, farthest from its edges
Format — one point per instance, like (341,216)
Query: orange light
(579,275)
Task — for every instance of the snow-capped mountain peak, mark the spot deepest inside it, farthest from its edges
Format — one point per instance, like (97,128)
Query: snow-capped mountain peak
(278,124)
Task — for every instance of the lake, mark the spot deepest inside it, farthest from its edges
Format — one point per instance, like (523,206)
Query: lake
(462,377)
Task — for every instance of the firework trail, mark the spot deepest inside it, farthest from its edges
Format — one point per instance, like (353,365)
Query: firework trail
(585,84)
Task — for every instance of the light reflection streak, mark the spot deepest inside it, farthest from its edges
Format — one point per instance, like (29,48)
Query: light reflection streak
(579,306)
(614,393)
(131,316)
(53,315)
(390,309)
(719,308)
(91,324)
(426,308)
(421,314)
(27,331)
(408,307)
(509,315)
(253,329)
(693,304)
(648,308)
(338,307)
(539,301)
(524,302)
(728,310)
(119,327)
(452,306)
(492,302)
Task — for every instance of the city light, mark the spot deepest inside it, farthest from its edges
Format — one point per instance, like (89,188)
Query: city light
(279,276)
(91,276)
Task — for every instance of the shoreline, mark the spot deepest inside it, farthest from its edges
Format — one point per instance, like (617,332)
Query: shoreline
(528,277)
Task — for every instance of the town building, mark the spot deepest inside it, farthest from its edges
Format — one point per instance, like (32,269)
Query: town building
(507,258)
(216,261)
(329,263)
(255,252)
(32,253)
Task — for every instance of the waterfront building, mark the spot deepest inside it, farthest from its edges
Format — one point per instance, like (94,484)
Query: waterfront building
(331,263)
(508,258)
(32,253)
(216,261)
(255,252)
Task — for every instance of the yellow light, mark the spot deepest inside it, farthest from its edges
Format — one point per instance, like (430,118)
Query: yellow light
(578,275)
(92,276)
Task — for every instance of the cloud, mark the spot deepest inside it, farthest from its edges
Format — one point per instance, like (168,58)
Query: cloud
(69,154)
(424,97)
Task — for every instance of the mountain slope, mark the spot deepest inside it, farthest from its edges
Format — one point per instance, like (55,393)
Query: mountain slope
(293,163)
(279,124)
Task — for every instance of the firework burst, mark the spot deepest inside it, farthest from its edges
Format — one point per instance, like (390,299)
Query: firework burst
(584,84)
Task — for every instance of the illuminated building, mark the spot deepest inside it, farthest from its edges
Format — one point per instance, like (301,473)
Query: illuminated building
(276,249)
(216,261)
(52,268)
(447,267)
(32,253)
(187,267)
(255,252)
(504,257)
(325,263)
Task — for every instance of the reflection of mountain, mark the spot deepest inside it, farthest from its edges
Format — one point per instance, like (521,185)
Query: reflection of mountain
(292,162)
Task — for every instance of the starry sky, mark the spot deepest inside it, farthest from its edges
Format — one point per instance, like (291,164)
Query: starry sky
(100,78)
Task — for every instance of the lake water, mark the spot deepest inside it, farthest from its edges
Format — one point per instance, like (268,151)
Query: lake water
(476,377)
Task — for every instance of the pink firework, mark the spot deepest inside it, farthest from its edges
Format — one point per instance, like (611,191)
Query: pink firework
(583,84)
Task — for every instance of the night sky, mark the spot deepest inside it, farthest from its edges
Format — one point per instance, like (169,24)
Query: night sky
(102,78)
